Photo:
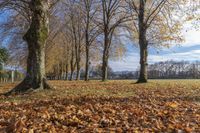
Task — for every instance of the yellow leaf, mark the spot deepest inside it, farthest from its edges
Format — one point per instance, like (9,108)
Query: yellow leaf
(173,105)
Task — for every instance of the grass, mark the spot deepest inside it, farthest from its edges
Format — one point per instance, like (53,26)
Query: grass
(188,89)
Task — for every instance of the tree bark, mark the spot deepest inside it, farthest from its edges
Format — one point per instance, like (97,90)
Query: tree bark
(105,68)
(67,62)
(143,65)
(78,51)
(87,40)
(67,71)
(105,58)
(72,69)
(143,44)
(72,66)
(78,71)
(87,63)
(78,67)
(35,37)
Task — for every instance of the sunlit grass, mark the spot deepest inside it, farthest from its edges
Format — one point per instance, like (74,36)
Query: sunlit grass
(111,88)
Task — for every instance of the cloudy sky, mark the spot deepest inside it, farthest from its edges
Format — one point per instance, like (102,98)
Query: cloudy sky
(188,51)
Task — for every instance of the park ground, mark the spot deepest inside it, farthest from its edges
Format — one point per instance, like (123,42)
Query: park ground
(112,106)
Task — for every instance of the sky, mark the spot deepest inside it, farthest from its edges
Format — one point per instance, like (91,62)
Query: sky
(187,51)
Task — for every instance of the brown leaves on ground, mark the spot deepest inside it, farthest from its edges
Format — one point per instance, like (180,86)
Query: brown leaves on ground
(115,106)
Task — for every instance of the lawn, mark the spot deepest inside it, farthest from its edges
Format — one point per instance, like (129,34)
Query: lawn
(112,106)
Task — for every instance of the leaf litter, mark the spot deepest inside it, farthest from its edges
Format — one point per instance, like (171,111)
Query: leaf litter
(154,107)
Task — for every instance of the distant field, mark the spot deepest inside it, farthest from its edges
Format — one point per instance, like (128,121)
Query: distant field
(112,106)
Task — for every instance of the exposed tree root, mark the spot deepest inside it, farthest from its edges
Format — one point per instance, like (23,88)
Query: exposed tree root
(26,86)
(140,81)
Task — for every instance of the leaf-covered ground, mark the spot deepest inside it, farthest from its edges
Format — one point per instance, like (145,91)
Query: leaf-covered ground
(113,106)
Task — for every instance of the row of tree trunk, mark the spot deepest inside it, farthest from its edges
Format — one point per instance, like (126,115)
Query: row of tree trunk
(37,35)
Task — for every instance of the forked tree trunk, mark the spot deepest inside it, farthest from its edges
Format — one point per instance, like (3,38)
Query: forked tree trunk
(35,37)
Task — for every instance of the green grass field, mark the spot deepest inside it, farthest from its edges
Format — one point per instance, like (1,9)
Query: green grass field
(112,106)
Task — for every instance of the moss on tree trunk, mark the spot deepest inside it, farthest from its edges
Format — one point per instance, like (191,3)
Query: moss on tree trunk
(35,37)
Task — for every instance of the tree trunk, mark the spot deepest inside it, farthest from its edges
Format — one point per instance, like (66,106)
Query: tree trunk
(87,42)
(58,71)
(78,67)
(78,71)
(67,63)
(105,68)
(72,70)
(143,65)
(143,44)
(67,69)
(87,63)
(62,71)
(78,54)
(72,63)
(105,56)
(71,76)
(35,37)
(105,59)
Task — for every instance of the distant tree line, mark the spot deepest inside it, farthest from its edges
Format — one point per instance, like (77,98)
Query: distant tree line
(10,76)
(7,74)
(174,70)
(160,70)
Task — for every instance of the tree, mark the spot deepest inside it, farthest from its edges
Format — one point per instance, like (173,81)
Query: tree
(90,9)
(113,15)
(78,32)
(74,27)
(4,55)
(174,70)
(98,71)
(35,37)
(153,25)
(17,18)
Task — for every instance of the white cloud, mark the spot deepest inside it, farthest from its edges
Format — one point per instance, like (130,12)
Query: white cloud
(191,35)
(192,38)
(130,63)
(192,55)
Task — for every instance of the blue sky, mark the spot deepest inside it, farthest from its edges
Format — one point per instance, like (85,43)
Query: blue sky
(188,51)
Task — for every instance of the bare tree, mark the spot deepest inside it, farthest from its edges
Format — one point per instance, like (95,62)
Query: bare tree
(174,70)
(90,9)
(113,16)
